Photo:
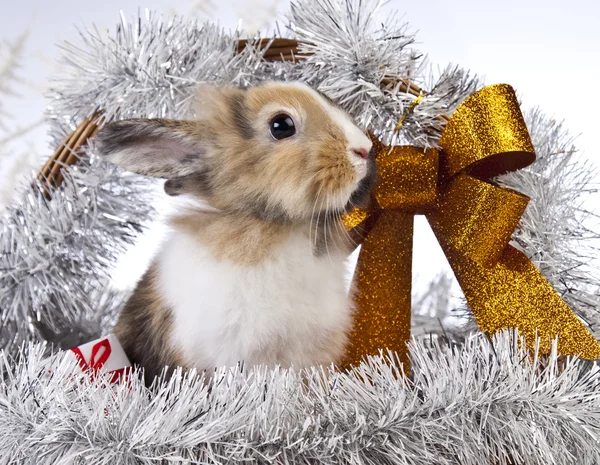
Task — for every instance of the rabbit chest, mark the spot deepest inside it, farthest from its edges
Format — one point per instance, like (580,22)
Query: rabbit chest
(291,309)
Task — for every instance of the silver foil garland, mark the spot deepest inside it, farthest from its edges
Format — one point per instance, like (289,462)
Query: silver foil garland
(480,402)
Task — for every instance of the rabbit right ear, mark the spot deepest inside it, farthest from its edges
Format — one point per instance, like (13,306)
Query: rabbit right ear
(154,147)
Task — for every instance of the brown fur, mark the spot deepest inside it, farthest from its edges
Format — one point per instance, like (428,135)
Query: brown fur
(143,329)
(283,182)
(247,240)
(241,239)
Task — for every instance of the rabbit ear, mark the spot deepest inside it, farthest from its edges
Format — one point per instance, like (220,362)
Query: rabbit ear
(154,147)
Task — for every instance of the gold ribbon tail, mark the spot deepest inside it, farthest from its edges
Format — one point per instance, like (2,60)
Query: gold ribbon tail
(382,286)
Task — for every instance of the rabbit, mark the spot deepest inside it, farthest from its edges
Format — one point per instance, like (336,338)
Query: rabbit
(259,278)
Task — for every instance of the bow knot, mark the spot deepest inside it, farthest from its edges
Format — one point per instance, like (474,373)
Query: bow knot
(407,177)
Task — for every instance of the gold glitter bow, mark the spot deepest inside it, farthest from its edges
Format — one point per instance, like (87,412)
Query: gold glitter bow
(473,221)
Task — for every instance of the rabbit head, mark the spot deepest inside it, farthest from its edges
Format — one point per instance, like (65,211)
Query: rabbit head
(278,151)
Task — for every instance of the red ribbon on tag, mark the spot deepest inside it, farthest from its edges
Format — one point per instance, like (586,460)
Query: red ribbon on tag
(98,361)
(94,364)
(101,352)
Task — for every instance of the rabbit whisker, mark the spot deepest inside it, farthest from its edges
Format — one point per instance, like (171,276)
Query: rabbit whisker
(312,216)
(327,199)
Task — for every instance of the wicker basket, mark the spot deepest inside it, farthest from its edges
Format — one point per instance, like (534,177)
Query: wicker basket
(50,176)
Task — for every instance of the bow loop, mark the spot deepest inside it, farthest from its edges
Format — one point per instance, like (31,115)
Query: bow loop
(487,135)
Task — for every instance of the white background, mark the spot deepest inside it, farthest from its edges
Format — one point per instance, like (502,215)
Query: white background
(549,50)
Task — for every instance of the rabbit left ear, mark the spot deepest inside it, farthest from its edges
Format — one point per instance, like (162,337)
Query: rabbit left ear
(154,147)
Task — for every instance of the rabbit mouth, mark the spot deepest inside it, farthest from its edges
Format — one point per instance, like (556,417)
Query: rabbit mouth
(362,192)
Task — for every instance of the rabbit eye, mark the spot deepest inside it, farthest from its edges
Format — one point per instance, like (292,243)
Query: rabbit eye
(282,127)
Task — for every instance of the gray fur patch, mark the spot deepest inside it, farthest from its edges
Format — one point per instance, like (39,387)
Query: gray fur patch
(323,235)
(262,209)
(173,186)
(190,158)
(122,134)
(196,184)
(136,329)
(240,116)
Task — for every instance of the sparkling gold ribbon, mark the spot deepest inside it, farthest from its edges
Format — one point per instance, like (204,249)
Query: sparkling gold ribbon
(473,221)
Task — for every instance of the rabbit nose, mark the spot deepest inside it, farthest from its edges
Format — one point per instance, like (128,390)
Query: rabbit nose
(362,153)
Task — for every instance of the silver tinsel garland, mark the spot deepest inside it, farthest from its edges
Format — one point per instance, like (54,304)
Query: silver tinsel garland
(482,402)
(353,52)
(55,255)
(469,404)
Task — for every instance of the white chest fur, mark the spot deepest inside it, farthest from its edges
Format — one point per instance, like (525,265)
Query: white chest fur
(291,309)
